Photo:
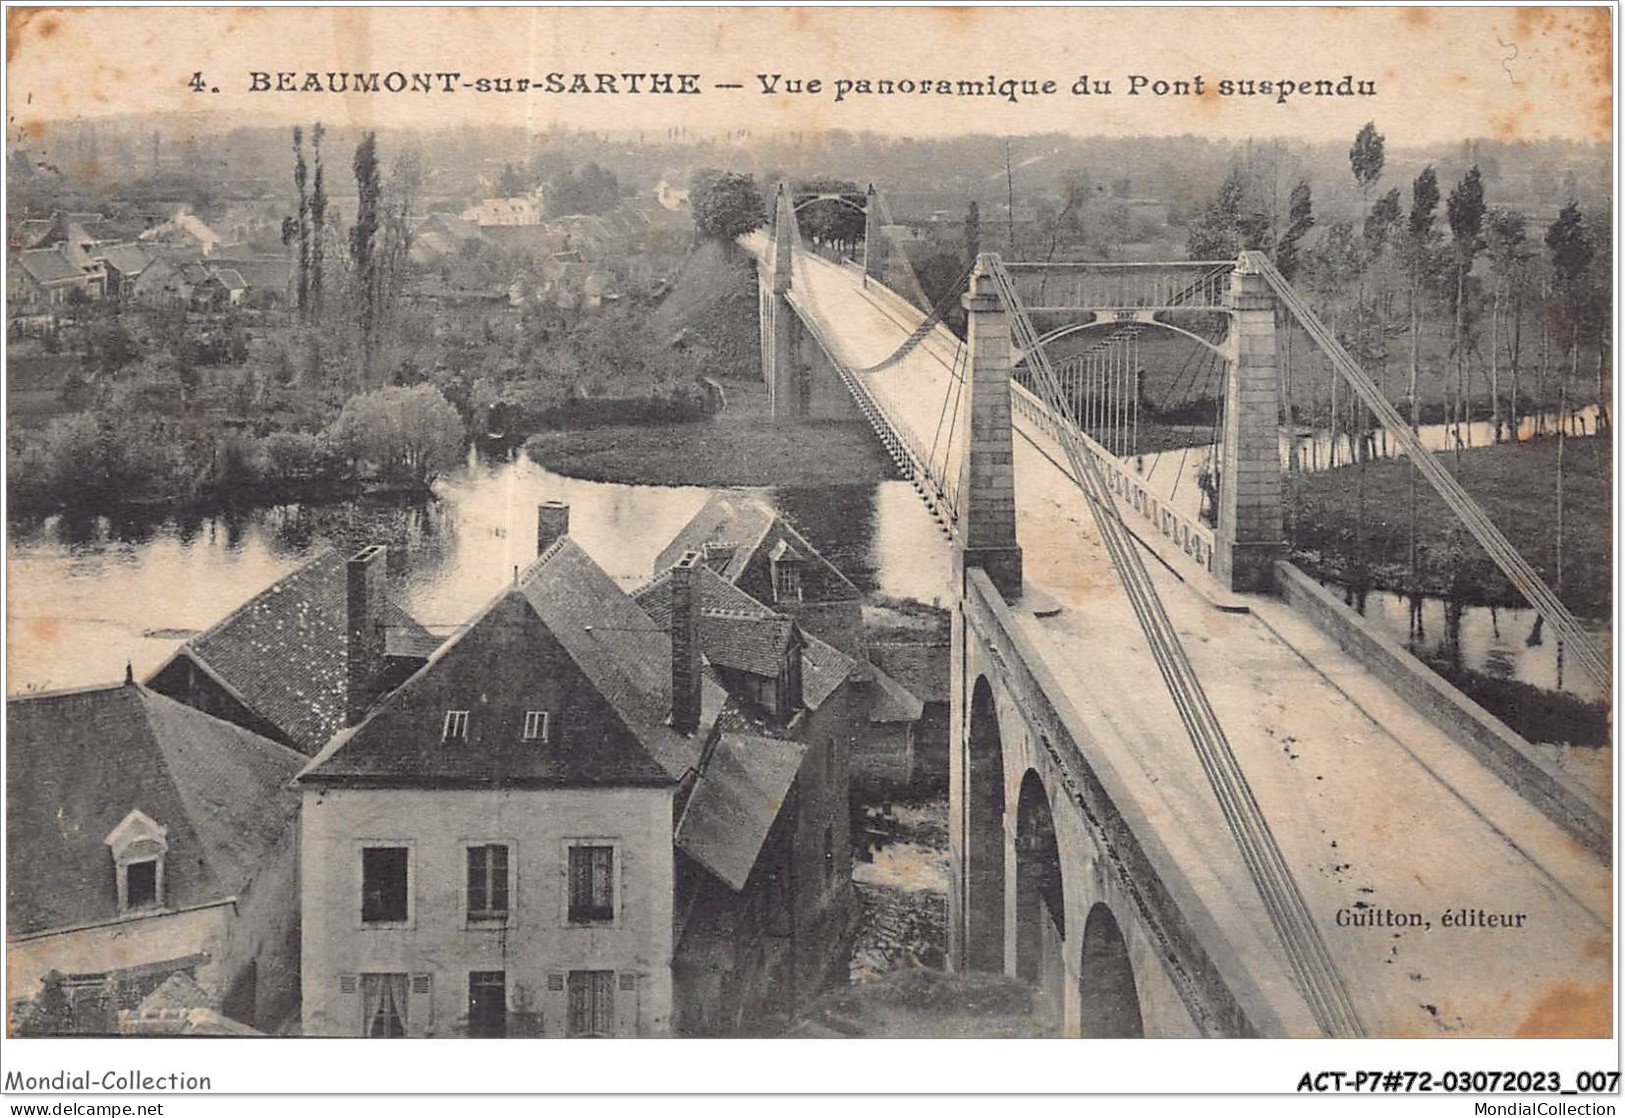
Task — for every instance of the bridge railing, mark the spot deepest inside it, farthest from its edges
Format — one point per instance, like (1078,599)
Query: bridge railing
(1067,286)
(1192,537)
(900,442)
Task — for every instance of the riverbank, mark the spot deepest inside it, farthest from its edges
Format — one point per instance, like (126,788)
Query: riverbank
(739,446)
(1516,483)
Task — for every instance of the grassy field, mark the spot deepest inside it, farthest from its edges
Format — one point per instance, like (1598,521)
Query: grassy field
(739,446)
(1516,483)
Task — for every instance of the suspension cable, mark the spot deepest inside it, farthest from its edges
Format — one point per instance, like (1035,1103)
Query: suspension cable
(1512,564)
(1309,959)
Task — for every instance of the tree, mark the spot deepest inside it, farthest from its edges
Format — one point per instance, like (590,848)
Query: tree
(300,176)
(318,217)
(726,205)
(1509,262)
(1570,247)
(830,222)
(405,180)
(363,243)
(407,434)
(1366,157)
(1417,254)
(1300,219)
(1465,212)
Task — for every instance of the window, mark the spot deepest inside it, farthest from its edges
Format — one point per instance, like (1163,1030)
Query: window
(383,885)
(488,882)
(829,853)
(592,1003)
(487,1003)
(383,1005)
(829,763)
(535,726)
(592,884)
(139,846)
(141,884)
(455,727)
(787,581)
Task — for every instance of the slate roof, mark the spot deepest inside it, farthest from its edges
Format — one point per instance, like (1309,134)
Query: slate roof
(48,265)
(823,668)
(130,259)
(726,519)
(565,620)
(78,762)
(734,803)
(284,653)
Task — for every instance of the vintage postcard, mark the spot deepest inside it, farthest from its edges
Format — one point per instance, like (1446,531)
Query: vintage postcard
(873,522)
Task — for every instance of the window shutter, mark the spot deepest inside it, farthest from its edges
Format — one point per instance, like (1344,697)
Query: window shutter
(347,984)
(629,981)
(419,1006)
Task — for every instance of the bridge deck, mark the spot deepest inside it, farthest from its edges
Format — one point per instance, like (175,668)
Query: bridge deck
(1372,805)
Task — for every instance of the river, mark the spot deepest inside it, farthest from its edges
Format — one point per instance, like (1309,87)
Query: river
(89,593)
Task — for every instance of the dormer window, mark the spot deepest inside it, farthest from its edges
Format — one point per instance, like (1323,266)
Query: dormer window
(786,573)
(455,728)
(139,847)
(535,726)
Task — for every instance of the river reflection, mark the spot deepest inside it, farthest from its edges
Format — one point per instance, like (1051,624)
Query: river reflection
(88,593)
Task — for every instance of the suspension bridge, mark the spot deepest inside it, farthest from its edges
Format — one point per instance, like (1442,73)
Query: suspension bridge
(1191,793)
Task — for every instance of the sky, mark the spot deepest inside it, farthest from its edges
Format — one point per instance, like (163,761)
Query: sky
(1440,74)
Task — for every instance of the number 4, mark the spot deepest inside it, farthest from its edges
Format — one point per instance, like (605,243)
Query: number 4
(197,84)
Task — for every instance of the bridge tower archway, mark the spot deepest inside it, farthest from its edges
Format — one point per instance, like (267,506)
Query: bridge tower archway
(1108,998)
(984,856)
(1040,900)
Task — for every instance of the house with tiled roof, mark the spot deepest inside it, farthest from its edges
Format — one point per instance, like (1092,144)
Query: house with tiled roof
(144,840)
(52,276)
(123,263)
(755,549)
(517,840)
(305,657)
(764,845)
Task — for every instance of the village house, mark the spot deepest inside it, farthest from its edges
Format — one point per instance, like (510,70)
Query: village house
(184,232)
(123,264)
(305,657)
(755,549)
(221,288)
(583,816)
(51,277)
(146,840)
(764,847)
(523,210)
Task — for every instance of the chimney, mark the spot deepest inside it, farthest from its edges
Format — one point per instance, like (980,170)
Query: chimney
(552,523)
(685,645)
(366,584)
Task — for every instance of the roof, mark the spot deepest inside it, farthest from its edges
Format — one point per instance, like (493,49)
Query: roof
(735,801)
(922,668)
(563,638)
(284,653)
(726,520)
(890,701)
(823,668)
(78,762)
(131,259)
(745,642)
(231,279)
(48,265)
